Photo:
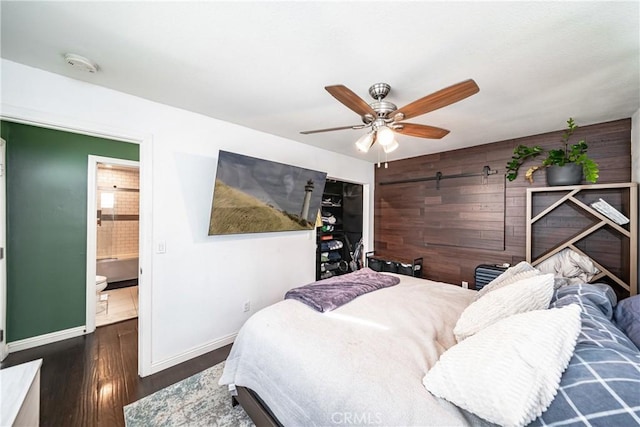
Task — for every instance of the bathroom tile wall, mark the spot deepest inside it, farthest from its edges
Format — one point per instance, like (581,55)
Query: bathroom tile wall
(118,238)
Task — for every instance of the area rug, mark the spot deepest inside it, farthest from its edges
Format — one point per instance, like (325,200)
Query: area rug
(195,401)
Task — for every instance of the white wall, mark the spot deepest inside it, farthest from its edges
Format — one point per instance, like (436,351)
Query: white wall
(198,287)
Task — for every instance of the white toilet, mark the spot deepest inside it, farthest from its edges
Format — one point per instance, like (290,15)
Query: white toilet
(102,302)
(101,284)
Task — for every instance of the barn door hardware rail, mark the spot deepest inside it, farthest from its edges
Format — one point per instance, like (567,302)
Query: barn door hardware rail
(486,171)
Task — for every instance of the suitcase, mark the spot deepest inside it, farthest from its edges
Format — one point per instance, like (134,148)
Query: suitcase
(485,273)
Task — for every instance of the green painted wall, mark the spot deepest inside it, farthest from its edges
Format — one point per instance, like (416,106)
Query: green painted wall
(47,226)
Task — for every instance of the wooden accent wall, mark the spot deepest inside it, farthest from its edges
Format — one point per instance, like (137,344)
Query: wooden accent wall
(401,213)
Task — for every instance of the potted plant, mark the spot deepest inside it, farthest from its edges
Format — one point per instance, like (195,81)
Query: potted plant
(564,166)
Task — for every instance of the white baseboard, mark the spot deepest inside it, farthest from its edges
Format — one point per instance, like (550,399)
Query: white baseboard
(190,354)
(45,339)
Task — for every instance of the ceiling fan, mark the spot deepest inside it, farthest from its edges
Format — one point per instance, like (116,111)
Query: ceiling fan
(385,119)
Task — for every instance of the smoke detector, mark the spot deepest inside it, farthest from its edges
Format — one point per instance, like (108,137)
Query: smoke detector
(81,63)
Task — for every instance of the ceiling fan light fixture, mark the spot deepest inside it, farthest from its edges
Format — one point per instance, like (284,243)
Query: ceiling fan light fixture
(384,118)
(365,142)
(385,135)
(390,147)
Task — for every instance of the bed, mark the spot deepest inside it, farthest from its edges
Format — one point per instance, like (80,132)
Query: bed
(364,363)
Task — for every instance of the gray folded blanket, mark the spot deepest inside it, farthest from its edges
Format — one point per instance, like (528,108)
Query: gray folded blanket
(329,294)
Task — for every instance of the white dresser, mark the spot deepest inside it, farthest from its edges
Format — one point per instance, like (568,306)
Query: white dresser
(20,394)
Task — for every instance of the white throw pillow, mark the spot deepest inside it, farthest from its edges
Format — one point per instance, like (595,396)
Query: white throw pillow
(510,372)
(529,294)
(522,270)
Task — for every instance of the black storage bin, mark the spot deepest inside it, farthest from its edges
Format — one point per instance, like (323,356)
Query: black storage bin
(392,266)
(485,273)
(406,269)
(375,264)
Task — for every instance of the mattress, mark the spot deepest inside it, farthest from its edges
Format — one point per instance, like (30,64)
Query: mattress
(362,363)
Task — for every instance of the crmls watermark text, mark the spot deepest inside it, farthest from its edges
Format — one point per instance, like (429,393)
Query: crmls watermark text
(359,418)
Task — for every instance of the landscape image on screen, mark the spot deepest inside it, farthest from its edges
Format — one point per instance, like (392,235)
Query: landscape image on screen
(252,195)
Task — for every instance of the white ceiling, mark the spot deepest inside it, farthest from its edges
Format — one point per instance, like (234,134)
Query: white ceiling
(264,64)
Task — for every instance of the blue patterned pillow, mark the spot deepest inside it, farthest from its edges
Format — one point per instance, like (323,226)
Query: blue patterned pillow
(627,317)
(601,385)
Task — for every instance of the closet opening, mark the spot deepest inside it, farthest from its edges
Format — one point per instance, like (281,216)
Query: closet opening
(339,234)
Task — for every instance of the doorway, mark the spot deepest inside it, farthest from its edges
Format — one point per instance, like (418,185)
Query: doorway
(73,128)
(112,240)
(3,268)
(340,236)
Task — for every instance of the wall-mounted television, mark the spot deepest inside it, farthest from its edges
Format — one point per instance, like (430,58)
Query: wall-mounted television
(253,195)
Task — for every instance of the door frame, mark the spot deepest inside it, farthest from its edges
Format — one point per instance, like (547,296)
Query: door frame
(145,141)
(4,351)
(92,230)
(367,208)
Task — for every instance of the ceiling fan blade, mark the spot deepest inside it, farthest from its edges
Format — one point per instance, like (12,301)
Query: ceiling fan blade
(421,131)
(350,100)
(438,99)
(307,132)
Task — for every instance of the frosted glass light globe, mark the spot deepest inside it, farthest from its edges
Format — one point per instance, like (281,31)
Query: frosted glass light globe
(365,142)
(385,136)
(390,147)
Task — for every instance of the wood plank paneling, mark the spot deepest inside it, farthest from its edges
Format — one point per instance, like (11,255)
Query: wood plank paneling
(405,214)
(461,212)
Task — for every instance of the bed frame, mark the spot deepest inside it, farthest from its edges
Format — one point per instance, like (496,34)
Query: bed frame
(257,410)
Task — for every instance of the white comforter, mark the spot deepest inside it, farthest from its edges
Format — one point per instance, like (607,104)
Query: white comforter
(361,364)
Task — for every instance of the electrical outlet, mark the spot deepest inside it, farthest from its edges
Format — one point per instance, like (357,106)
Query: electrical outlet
(161,247)
(247,306)
(465,284)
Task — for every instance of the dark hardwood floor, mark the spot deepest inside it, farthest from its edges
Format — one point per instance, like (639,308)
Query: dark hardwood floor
(86,381)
